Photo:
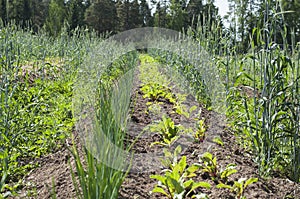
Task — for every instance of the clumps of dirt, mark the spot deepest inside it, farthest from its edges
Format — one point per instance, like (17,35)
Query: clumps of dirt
(30,72)
(54,170)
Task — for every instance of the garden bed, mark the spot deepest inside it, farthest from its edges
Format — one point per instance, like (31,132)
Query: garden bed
(55,168)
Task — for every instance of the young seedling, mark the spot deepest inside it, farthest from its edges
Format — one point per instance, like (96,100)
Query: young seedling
(177,182)
(218,141)
(154,91)
(200,133)
(239,186)
(209,166)
(168,130)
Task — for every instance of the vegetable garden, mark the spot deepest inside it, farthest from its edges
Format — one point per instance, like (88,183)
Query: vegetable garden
(145,102)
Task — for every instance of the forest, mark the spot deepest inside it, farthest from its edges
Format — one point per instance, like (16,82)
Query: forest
(116,16)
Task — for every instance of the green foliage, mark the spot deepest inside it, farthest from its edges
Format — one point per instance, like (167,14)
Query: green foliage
(156,86)
(177,182)
(183,69)
(102,16)
(218,140)
(168,130)
(154,91)
(200,132)
(36,81)
(209,165)
(239,186)
(97,180)
(101,170)
(76,10)
(56,17)
(263,109)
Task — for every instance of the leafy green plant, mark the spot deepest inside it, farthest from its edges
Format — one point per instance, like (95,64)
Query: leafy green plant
(154,108)
(36,85)
(239,186)
(168,130)
(209,166)
(182,109)
(200,132)
(101,169)
(154,91)
(177,182)
(218,140)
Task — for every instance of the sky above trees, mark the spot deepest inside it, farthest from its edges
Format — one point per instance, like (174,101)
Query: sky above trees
(223,7)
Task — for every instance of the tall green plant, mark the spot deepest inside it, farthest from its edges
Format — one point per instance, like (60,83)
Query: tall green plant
(102,168)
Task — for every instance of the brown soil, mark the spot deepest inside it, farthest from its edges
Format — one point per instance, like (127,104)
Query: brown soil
(138,184)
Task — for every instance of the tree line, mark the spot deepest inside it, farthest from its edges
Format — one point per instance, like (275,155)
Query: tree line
(118,15)
(103,15)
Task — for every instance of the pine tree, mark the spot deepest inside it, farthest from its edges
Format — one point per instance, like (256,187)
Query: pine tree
(194,10)
(135,19)
(292,19)
(160,15)
(39,13)
(3,8)
(245,15)
(76,10)
(102,16)
(123,9)
(177,15)
(18,11)
(145,13)
(56,17)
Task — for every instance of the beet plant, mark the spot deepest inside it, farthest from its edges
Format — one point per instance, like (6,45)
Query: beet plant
(167,129)
(177,182)
(209,165)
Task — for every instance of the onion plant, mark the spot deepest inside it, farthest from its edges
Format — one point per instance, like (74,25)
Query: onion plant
(104,164)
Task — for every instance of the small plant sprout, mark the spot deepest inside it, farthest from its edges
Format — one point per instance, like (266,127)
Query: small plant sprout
(239,186)
(182,109)
(200,133)
(154,91)
(218,140)
(168,130)
(209,166)
(177,182)
(171,158)
(154,108)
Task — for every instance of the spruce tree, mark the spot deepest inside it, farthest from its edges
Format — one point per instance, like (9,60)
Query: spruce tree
(56,17)
(123,9)
(3,9)
(102,16)
(177,15)
(145,13)
(160,15)
(76,10)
